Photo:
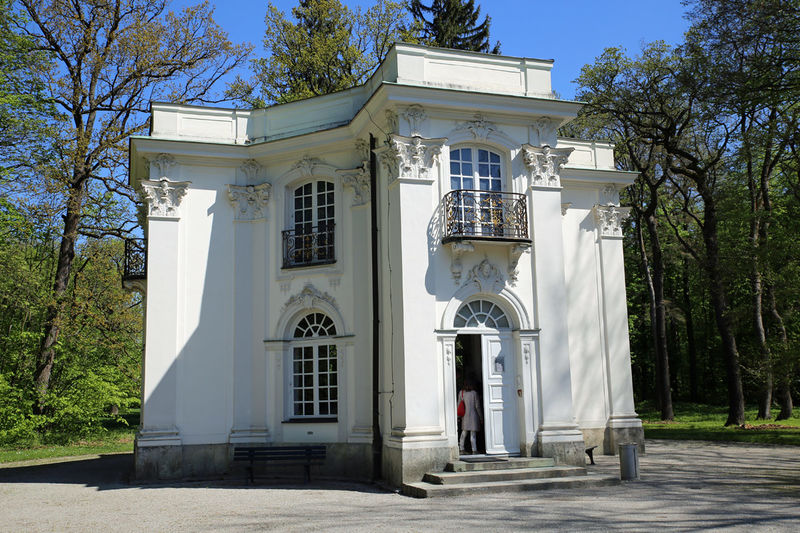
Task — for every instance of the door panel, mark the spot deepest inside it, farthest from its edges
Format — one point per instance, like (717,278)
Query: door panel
(500,403)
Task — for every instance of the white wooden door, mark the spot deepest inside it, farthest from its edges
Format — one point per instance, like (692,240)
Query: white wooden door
(499,394)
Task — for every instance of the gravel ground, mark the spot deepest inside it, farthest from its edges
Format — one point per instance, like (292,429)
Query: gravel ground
(684,486)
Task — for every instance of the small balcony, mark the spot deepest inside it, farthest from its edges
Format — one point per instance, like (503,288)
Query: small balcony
(308,247)
(485,215)
(135,264)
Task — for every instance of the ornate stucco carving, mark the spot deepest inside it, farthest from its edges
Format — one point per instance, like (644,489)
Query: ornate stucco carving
(163,196)
(307,164)
(251,168)
(309,297)
(358,178)
(609,219)
(250,201)
(411,157)
(544,130)
(448,354)
(478,126)
(458,249)
(415,116)
(486,277)
(609,194)
(514,253)
(163,162)
(391,121)
(545,164)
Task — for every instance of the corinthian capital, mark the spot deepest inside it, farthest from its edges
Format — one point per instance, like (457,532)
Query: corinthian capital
(163,196)
(609,219)
(545,164)
(249,201)
(411,157)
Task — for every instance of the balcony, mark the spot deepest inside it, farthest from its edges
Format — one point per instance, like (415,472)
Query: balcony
(135,264)
(309,247)
(485,215)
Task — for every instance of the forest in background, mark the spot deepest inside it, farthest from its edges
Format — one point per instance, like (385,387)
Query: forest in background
(710,126)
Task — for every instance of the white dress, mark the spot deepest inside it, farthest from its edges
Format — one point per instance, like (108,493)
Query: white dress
(472,418)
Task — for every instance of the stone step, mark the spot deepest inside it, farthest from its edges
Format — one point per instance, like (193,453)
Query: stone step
(427,490)
(499,463)
(483,476)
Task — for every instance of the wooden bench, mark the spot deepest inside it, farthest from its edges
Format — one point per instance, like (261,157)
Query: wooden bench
(305,455)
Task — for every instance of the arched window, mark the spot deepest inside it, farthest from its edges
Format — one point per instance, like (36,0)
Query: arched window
(311,237)
(480,314)
(477,204)
(315,389)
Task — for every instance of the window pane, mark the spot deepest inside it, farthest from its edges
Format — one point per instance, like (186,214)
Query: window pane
(466,154)
(455,154)
(483,170)
(495,171)
(483,156)
(468,183)
(466,169)
(494,158)
(323,409)
(333,408)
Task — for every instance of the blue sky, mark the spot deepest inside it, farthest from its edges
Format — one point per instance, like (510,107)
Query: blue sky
(571,32)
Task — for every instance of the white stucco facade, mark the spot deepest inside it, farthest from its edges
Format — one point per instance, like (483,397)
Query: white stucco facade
(262,325)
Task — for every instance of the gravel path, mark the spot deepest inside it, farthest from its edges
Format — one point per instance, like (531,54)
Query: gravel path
(684,486)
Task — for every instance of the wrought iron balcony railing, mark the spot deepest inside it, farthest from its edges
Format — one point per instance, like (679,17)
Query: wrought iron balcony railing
(485,215)
(305,248)
(135,265)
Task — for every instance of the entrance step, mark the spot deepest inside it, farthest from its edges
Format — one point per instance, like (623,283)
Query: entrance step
(507,474)
(422,489)
(481,463)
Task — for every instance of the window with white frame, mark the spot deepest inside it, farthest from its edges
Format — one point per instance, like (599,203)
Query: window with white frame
(315,391)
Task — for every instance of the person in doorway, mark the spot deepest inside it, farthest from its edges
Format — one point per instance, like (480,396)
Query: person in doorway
(473,417)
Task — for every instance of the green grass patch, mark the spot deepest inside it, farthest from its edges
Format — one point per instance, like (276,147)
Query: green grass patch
(115,437)
(706,422)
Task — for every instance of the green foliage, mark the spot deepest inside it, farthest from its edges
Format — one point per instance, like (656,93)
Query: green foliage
(452,24)
(327,48)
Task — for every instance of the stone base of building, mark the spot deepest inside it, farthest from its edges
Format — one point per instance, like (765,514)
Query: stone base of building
(405,463)
(203,461)
(609,438)
(566,447)
(627,435)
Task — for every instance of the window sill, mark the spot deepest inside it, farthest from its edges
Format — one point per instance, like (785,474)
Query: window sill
(308,265)
(312,420)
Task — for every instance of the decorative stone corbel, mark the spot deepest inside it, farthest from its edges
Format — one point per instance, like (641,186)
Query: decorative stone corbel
(415,116)
(458,249)
(609,219)
(163,196)
(544,130)
(391,121)
(309,297)
(609,194)
(358,178)
(251,168)
(545,164)
(164,162)
(514,253)
(250,201)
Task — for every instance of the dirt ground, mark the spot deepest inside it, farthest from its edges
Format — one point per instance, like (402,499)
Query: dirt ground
(684,486)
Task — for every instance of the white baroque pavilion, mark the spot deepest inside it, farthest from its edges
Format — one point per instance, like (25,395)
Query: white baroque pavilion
(327,271)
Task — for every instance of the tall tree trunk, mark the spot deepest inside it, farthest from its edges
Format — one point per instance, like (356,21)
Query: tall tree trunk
(690,341)
(719,301)
(55,310)
(662,352)
(651,298)
(784,392)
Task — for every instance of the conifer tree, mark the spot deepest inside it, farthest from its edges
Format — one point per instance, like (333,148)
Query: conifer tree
(453,24)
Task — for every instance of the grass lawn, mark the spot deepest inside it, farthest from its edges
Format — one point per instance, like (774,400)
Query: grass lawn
(116,438)
(706,422)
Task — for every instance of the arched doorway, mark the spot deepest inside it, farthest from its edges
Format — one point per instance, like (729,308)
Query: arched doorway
(484,349)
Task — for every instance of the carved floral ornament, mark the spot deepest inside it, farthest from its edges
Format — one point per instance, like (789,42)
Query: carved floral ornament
(250,201)
(411,157)
(307,164)
(251,168)
(415,116)
(358,178)
(479,127)
(486,277)
(164,197)
(545,164)
(308,298)
(163,162)
(610,218)
(545,131)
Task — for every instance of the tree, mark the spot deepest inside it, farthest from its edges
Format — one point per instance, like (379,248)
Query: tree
(327,48)
(452,24)
(110,59)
